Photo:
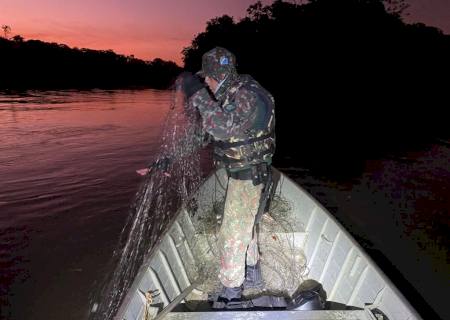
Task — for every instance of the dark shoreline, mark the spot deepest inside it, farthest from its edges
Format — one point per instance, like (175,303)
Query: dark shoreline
(42,65)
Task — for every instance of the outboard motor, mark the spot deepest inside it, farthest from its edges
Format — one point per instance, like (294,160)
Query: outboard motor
(309,296)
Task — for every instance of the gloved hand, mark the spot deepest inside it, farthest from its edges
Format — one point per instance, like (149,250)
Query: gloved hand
(190,83)
(160,164)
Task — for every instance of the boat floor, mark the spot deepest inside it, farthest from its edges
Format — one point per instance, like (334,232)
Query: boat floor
(283,265)
(283,262)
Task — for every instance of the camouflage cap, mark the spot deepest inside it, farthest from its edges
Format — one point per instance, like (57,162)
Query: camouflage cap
(218,62)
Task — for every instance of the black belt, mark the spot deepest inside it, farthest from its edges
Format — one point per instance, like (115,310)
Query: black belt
(228,160)
(244,174)
(258,173)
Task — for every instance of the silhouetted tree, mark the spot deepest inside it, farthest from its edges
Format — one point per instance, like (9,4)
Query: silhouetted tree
(396,7)
(257,11)
(18,38)
(6,30)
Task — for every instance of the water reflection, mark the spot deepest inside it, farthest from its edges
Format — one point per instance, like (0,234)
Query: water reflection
(67,163)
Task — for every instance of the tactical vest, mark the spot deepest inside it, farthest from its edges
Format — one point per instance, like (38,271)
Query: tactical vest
(256,143)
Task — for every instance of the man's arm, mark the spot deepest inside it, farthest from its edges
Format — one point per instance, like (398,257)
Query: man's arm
(232,119)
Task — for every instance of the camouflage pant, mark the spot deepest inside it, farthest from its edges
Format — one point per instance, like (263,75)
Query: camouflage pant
(237,240)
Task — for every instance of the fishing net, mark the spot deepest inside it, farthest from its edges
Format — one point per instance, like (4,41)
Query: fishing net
(156,203)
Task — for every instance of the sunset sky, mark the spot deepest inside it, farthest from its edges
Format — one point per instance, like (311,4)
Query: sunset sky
(148,28)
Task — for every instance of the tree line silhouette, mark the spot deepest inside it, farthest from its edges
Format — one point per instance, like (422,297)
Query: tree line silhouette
(349,77)
(35,64)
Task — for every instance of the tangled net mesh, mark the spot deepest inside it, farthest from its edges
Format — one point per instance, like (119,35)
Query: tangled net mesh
(283,262)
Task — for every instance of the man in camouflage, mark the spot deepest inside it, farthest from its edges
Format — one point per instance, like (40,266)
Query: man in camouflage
(239,115)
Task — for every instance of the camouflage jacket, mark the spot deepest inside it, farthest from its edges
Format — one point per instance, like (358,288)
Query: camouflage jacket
(241,120)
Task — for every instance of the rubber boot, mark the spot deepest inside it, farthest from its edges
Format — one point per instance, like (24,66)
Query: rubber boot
(253,277)
(227,295)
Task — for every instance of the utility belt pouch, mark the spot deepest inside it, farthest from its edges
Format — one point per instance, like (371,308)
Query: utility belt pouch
(260,173)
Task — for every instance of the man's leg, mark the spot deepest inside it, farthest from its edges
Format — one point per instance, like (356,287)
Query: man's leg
(236,232)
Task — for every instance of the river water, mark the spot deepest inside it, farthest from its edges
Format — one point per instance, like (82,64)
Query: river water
(67,168)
